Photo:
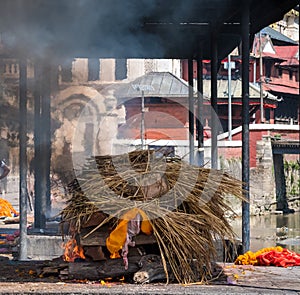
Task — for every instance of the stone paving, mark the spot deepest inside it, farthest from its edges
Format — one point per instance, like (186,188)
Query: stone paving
(240,280)
(280,279)
(262,286)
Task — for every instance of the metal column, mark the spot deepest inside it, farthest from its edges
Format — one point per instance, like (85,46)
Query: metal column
(261,92)
(213,100)
(245,125)
(23,159)
(42,145)
(39,214)
(191,111)
(46,134)
(229,100)
(200,119)
(143,121)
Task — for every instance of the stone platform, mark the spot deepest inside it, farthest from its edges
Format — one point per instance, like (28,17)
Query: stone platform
(240,280)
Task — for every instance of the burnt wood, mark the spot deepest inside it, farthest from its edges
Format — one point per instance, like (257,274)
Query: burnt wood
(98,238)
(109,269)
(152,270)
(94,220)
(52,268)
(94,253)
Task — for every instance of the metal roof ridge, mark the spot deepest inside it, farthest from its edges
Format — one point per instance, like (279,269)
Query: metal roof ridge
(266,93)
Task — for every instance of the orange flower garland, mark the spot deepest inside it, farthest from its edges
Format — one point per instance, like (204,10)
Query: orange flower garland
(250,258)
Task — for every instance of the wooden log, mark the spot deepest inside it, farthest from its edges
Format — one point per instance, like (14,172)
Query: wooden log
(63,274)
(151,270)
(112,269)
(98,238)
(94,220)
(52,270)
(94,253)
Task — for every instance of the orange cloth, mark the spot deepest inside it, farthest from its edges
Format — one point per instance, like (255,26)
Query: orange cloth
(117,237)
(284,258)
(275,256)
(6,209)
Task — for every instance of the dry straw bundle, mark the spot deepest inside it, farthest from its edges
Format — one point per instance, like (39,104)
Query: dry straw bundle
(185,204)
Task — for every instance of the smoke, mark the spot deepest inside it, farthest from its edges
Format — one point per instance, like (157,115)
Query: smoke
(125,28)
(78,28)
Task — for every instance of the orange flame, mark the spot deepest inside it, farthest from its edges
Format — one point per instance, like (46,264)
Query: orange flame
(73,251)
(115,255)
(122,279)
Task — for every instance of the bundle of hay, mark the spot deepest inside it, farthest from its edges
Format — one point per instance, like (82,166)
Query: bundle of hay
(185,204)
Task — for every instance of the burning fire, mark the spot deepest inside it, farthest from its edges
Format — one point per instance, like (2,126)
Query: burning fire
(115,255)
(72,251)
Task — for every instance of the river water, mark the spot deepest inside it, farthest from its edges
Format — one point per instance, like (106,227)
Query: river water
(272,230)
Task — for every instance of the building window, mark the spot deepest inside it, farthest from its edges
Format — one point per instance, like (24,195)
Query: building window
(268,68)
(267,115)
(66,70)
(94,69)
(121,69)
(279,72)
(291,74)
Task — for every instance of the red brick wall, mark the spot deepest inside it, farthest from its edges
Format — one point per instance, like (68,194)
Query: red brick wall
(177,111)
(170,121)
(256,135)
(230,152)
(162,121)
(287,134)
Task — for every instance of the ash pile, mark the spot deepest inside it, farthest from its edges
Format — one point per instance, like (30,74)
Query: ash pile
(145,219)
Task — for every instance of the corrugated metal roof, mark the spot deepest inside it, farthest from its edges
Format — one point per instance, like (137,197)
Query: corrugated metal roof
(154,84)
(289,53)
(282,89)
(165,84)
(277,35)
(236,90)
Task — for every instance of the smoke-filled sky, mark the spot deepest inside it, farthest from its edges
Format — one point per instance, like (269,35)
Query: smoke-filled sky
(116,28)
(110,28)
(43,25)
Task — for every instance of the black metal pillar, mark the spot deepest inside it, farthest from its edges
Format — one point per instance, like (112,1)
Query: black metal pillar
(191,111)
(39,218)
(46,134)
(200,118)
(23,159)
(42,145)
(245,125)
(39,214)
(213,100)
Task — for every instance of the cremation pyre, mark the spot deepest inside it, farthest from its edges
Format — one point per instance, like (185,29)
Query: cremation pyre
(136,199)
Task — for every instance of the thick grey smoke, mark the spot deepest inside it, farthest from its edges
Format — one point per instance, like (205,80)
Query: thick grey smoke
(129,28)
(104,28)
